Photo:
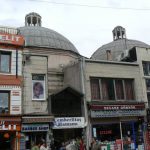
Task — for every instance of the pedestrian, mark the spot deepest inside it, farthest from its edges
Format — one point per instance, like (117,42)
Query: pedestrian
(43,146)
(36,146)
(81,145)
(62,146)
(95,144)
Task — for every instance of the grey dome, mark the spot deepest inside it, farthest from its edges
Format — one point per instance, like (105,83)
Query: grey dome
(119,44)
(38,36)
(43,37)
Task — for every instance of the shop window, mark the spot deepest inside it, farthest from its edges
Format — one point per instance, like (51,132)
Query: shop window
(5,59)
(146,68)
(38,87)
(4,102)
(112,89)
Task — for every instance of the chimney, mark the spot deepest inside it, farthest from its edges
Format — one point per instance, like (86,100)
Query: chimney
(108,53)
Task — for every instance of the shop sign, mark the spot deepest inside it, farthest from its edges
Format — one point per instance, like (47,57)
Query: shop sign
(4,126)
(34,127)
(11,39)
(117,113)
(68,122)
(118,107)
(105,132)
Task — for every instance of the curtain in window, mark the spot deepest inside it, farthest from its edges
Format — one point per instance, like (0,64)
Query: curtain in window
(129,89)
(95,89)
(105,89)
(119,89)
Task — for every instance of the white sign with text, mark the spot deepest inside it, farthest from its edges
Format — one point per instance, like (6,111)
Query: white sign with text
(68,122)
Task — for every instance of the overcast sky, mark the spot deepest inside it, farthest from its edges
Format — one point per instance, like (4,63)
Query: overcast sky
(88,24)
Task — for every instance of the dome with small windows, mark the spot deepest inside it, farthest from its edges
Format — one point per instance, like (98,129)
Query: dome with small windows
(38,36)
(119,44)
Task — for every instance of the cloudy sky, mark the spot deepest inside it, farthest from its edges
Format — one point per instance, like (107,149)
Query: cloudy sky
(88,24)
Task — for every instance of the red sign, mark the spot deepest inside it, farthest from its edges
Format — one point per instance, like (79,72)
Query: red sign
(9,126)
(106,132)
(118,107)
(11,39)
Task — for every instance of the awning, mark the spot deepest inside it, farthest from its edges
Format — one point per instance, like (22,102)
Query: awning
(10,119)
(37,119)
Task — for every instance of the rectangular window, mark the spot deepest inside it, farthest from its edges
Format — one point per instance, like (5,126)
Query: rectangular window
(38,87)
(119,89)
(112,89)
(108,89)
(146,68)
(95,89)
(129,92)
(148,85)
(5,59)
(4,102)
(148,90)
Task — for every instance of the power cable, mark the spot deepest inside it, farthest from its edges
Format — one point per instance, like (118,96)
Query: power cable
(98,6)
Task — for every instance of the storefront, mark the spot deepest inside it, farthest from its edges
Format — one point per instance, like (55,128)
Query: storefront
(36,129)
(118,126)
(10,128)
(67,128)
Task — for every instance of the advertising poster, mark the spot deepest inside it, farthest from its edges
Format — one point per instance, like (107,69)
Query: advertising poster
(38,87)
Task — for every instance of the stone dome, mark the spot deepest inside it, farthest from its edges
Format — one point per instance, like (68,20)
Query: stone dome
(119,44)
(37,36)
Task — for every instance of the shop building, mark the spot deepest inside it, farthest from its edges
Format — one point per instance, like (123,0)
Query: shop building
(11,48)
(115,104)
(127,50)
(46,54)
(68,110)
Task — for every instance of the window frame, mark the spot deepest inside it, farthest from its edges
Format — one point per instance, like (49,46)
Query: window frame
(123,81)
(7,53)
(8,92)
(146,65)
(43,86)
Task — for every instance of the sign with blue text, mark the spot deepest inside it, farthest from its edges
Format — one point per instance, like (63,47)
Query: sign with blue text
(68,122)
(34,127)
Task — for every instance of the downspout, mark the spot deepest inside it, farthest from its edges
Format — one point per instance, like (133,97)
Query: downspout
(16,63)
(82,74)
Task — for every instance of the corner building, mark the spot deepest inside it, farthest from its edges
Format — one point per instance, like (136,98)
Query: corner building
(11,49)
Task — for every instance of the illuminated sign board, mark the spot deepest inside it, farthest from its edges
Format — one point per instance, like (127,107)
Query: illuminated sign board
(11,39)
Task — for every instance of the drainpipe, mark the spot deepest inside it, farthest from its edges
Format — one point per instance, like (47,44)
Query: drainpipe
(82,74)
(16,63)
